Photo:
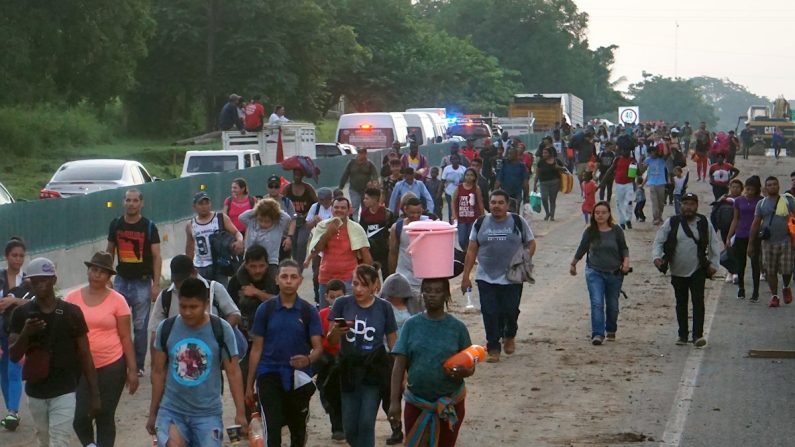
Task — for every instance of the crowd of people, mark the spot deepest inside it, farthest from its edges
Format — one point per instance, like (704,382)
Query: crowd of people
(374,335)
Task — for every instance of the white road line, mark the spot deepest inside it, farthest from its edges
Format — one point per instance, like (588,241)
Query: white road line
(687,384)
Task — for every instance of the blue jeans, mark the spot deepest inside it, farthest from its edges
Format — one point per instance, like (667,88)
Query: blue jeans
(677,204)
(499,305)
(463,234)
(359,409)
(137,292)
(322,292)
(603,289)
(10,376)
(196,431)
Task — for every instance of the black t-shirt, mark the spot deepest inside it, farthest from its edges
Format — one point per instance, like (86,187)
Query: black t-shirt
(134,246)
(64,326)
(302,202)
(377,228)
(248,305)
(547,172)
(606,159)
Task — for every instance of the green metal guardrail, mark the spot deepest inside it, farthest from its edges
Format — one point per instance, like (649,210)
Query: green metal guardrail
(48,225)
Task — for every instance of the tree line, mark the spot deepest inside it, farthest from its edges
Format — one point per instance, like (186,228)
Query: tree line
(172,63)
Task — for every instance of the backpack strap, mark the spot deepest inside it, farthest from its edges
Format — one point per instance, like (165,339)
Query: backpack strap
(218,333)
(165,300)
(478,224)
(306,316)
(252,201)
(165,331)
(518,226)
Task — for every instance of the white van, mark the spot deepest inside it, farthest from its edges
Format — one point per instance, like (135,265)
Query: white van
(207,162)
(438,117)
(372,130)
(420,124)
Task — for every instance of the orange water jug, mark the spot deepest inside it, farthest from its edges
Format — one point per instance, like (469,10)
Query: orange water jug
(467,358)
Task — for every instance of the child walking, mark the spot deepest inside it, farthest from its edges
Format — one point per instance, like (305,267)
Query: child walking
(640,200)
(589,188)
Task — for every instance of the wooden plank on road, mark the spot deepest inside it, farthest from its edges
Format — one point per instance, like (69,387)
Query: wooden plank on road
(771,354)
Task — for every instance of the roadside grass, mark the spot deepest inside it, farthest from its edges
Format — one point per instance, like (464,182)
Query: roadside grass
(24,175)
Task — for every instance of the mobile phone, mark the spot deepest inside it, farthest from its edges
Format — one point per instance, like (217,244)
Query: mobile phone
(341,322)
(35,314)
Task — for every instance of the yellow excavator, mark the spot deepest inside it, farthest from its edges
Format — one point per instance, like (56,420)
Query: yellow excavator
(764,121)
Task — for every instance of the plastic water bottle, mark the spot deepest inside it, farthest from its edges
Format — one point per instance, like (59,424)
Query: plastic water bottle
(468,296)
(255,434)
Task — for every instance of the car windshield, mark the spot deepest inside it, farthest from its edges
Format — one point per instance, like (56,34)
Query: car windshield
(470,131)
(327,150)
(88,173)
(212,163)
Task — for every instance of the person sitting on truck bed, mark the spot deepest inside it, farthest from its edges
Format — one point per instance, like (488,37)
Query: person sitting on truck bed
(277,117)
(229,118)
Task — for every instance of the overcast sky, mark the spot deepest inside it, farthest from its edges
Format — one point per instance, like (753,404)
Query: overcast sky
(750,42)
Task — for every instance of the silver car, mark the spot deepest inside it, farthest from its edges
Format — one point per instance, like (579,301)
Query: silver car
(5,196)
(81,177)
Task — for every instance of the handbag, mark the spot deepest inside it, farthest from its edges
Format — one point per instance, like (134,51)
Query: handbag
(764,232)
(535,201)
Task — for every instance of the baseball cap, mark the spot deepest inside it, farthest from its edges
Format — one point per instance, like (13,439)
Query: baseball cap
(181,268)
(199,196)
(274,180)
(40,267)
(689,196)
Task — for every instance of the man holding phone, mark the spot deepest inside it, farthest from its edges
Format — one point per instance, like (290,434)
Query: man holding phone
(52,334)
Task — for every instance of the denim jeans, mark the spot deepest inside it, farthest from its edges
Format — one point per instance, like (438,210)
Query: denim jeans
(10,377)
(111,379)
(196,431)
(137,292)
(463,234)
(677,204)
(499,305)
(359,410)
(356,202)
(603,289)
(694,285)
(53,420)
(625,193)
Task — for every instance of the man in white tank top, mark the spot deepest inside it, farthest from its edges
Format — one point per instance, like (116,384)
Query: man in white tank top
(198,231)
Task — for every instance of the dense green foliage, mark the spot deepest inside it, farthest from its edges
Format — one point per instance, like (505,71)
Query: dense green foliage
(729,99)
(661,98)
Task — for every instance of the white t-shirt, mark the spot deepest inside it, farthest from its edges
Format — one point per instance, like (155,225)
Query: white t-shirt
(276,119)
(452,177)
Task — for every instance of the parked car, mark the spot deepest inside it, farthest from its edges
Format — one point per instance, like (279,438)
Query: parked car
(326,150)
(472,130)
(207,162)
(75,178)
(5,196)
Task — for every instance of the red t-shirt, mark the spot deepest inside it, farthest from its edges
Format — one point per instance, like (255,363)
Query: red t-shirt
(327,347)
(339,261)
(254,114)
(469,153)
(589,190)
(467,204)
(622,166)
(236,208)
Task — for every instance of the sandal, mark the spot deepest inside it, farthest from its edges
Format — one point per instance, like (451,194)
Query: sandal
(10,422)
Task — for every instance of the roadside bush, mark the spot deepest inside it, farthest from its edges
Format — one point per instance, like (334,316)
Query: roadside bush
(25,131)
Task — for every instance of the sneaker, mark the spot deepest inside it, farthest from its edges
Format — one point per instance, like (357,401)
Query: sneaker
(681,341)
(787,292)
(735,278)
(762,276)
(740,294)
(509,346)
(338,436)
(623,226)
(10,422)
(629,225)
(397,436)
(597,340)
(700,342)
(728,279)
(611,336)
(140,373)
(773,302)
(493,357)
(754,298)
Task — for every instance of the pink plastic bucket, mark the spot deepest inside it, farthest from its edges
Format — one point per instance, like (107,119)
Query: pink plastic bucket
(432,248)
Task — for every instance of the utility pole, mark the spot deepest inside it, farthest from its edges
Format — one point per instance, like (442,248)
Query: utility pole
(676,49)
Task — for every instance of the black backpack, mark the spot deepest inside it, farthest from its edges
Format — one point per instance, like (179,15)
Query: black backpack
(225,262)
(721,216)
